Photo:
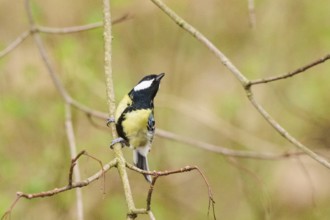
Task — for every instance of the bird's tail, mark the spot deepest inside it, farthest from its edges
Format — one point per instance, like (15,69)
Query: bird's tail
(141,161)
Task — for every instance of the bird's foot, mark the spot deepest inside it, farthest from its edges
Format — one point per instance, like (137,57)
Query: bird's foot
(118,140)
(110,120)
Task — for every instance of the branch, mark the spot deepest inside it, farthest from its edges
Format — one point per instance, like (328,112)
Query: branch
(225,151)
(70,186)
(241,78)
(51,30)
(75,29)
(75,166)
(23,36)
(286,134)
(290,74)
(200,144)
(107,35)
(200,37)
(157,174)
(79,184)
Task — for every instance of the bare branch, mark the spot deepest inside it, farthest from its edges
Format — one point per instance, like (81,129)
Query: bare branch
(56,191)
(157,174)
(107,35)
(285,134)
(51,30)
(243,80)
(76,29)
(79,184)
(196,143)
(8,212)
(23,36)
(225,151)
(73,164)
(293,73)
(200,37)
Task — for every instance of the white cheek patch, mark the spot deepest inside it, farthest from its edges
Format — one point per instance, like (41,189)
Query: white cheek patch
(143,85)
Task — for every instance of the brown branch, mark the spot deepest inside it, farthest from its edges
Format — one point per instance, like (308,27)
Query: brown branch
(51,30)
(56,191)
(76,29)
(23,36)
(73,164)
(8,212)
(200,37)
(246,84)
(225,151)
(110,93)
(284,133)
(79,184)
(290,74)
(157,174)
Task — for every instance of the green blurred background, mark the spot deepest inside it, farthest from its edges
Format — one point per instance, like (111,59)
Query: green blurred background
(199,98)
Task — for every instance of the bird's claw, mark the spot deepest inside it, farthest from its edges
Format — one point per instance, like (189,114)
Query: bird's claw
(117,140)
(110,120)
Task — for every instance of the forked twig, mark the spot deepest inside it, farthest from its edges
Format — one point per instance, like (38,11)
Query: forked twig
(246,84)
(76,29)
(73,164)
(157,174)
(71,184)
(293,73)
(51,30)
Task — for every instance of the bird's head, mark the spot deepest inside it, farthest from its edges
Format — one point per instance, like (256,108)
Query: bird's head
(146,89)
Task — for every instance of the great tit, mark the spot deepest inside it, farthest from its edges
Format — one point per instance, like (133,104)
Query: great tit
(135,122)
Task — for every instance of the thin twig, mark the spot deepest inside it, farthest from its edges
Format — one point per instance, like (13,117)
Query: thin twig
(242,79)
(74,162)
(15,43)
(66,97)
(157,174)
(200,37)
(82,183)
(76,29)
(74,165)
(252,14)
(225,151)
(8,212)
(293,73)
(285,134)
(51,30)
(56,191)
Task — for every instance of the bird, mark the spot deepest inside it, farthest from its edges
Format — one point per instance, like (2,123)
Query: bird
(135,121)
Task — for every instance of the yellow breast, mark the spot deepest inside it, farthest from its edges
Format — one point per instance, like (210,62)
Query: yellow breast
(135,127)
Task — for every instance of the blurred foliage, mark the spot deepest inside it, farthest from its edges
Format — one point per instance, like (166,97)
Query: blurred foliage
(199,98)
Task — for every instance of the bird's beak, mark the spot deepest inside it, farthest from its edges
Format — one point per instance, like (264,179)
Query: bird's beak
(160,76)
